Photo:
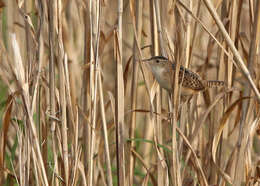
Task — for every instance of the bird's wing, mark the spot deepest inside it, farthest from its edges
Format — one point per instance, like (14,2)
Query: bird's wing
(189,79)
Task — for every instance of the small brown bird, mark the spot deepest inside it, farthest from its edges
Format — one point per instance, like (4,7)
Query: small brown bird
(163,71)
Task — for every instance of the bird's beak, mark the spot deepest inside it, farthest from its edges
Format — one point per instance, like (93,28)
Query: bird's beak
(146,60)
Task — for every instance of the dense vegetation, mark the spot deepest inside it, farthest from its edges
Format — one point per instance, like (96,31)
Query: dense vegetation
(77,106)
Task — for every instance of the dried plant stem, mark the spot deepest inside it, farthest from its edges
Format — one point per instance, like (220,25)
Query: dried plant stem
(62,94)
(87,82)
(90,136)
(35,138)
(63,119)
(119,105)
(162,169)
(188,43)
(195,30)
(138,16)
(104,123)
(173,108)
(28,45)
(159,26)
(153,27)
(93,133)
(52,84)
(96,32)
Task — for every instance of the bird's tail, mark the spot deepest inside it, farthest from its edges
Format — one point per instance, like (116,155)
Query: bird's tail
(215,83)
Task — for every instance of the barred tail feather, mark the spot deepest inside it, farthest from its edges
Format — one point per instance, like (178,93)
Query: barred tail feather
(215,83)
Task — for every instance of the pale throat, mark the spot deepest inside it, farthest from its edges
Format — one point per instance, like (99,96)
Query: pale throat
(160,75)
(157,71)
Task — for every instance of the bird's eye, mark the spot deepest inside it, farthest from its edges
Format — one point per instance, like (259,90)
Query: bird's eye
(157,61)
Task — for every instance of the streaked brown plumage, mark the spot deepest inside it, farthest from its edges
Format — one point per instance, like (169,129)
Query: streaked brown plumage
(163,70)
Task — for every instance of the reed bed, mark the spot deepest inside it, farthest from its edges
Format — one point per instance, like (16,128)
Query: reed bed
(78,107)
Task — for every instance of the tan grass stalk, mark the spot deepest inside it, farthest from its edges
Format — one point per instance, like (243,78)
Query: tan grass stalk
(119,97)
(21,159)
(77,150)
(73,120)
(162,170)
(145,166)
(20,76)
(248,154)
(52,85)
(87,82)
(62,59)
(105,132)
(27,154)
(119,101)
(40,55)
(28,43)
(198,164)
(96,32)
(195,30)
(174,103)
(63,109)
(188,34)
(6,121)
(234,27)
(153,27)
(101,170)
(159,26)
(144,71)
(138,17)
(74,177)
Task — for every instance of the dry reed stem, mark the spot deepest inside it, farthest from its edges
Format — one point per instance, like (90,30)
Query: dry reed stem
(138,17)
(96,36)
(119,103)
(105,132)
(20,76)
(52,86)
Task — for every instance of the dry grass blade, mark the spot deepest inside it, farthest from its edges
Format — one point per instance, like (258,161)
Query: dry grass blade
(4,132)
(20,75)
(159,26)
(204,180)
(51,5)
(200,122)
(119,110)
(145,166)
(138,17)
(63,119)
(105,132)
(143,70)
(145,181)
(249,139)
(174,102)
(218,135)
(203,117)
(83,174)
(18,67)
(222,125)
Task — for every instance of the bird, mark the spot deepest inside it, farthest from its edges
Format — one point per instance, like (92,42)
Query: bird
(163,70)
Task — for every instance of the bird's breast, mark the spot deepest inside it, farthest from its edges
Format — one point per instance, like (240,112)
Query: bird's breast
(163,77)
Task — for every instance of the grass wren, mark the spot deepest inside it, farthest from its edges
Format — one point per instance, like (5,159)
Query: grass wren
(163,71)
